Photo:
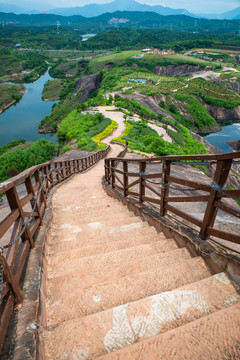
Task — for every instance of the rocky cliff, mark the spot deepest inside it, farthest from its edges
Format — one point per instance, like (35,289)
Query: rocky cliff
(179,70)
(221,114)
(86,85)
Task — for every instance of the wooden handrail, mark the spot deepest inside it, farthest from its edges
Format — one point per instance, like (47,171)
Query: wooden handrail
(164,182)
(17,229)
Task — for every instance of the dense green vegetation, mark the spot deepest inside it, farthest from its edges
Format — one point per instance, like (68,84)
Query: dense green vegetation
(201,116)
(228,104)
(15,161)
(10,93)
(10,145)
(82,127)
(64,68)
(42,38)
(108,131)
(141,137)
(24,66)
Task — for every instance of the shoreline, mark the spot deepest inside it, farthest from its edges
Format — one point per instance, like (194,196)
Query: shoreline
(13,102)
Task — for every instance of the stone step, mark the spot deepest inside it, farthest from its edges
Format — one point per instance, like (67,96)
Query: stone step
(72,211)
(128,289)
(113,258)
(74,237)
(79,200)
(77,240)
(92,228)
(100,248)
(122,326)
(124,219)
(85,279)
(214,337)
(114,218)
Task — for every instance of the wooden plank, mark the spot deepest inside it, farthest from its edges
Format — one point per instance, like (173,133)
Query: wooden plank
(12,282)
(112,173)
(34,204)
(235,155)
(134,183)
(118,179)
(152,200)
(34,227)
(21,259)
(119,187)
(183,215)
(227,208)
(220,177)
(235,193)
(7,222)
(150,187)
(15,203)
(187,198)
(132,193)
(42,196)
(153,176)
(26,199)
(224,235)
(188,183)
(13,249)
(5,314)
(166,168)
(125,178)
(142,169)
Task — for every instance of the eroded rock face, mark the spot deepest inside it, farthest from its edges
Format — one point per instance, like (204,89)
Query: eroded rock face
(150,103)
(221,114)
(179,70)
(235,145)
(86,85)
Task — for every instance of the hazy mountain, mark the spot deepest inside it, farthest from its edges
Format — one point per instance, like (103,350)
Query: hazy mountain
(234,14)
(6,7)
(92,10)
(26,7)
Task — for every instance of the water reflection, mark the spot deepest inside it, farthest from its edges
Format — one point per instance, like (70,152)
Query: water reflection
(21,120)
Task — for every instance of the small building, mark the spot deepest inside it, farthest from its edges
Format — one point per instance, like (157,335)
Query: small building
(146,50)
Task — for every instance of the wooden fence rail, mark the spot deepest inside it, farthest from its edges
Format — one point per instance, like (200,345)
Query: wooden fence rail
(132,177)
(25,215)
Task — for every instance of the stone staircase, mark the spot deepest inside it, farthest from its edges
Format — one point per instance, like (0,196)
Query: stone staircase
(117,289)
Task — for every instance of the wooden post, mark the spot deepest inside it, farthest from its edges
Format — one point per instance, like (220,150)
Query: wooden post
(166,166)
(142,169)
(50,175)
(30,190)
(62,170)
(12,282)
(38,180)
(220,177)
(57,174)
(125,178)
(46,179)
(15,203)
(112,172)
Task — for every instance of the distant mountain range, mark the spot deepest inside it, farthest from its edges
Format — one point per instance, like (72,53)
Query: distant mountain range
(93,10)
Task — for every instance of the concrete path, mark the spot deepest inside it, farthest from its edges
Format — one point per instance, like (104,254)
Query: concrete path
(117,289)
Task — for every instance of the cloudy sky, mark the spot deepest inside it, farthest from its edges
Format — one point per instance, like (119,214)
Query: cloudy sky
(201,6)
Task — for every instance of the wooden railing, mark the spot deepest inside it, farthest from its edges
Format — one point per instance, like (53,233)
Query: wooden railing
(26,195)
(151,180)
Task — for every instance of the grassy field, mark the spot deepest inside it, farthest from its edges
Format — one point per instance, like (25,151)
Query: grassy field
(117,56)
(178,59)
(52,90)
(10,93)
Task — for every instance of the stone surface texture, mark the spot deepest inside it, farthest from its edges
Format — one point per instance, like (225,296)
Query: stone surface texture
(117,289)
